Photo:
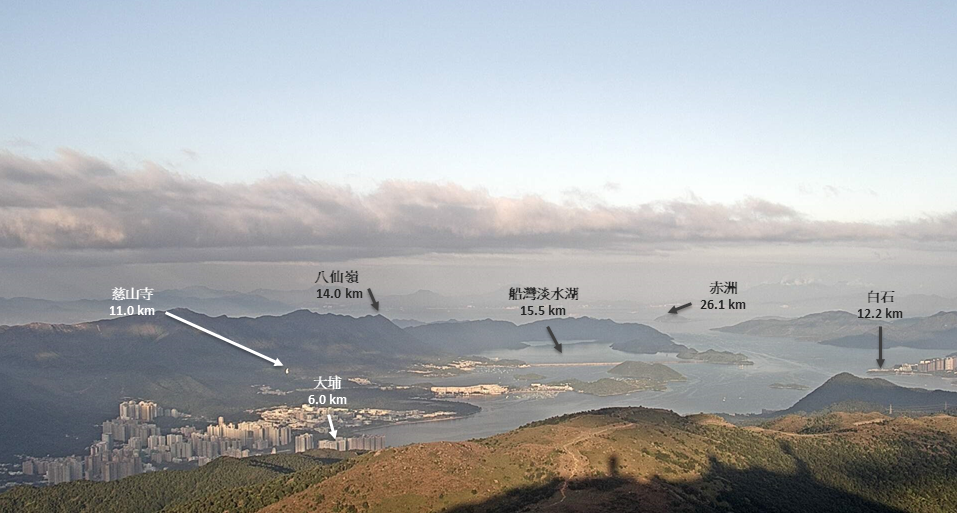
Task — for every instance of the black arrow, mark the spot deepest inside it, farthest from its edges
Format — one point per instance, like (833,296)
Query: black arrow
(558,347)
(375,304)
(880,347)
(674,309)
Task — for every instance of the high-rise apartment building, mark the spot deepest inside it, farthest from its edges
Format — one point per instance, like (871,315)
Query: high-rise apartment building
(305,442)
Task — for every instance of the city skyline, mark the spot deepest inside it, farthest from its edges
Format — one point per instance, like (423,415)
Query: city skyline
(132,444)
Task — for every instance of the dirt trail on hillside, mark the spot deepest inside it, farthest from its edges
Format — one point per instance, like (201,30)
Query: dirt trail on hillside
(578,461)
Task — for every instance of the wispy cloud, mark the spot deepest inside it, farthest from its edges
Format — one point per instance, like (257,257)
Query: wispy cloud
(79,202)
(20,142)
(834,191)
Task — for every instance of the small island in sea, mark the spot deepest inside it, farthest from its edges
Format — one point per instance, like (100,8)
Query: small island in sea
(646,371)
(712,356)
(631,377)
(788,386)
(531,376)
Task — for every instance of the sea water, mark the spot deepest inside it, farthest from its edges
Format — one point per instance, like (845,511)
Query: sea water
(710,388)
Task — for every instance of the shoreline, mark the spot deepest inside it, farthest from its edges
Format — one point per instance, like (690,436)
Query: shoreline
(411,422)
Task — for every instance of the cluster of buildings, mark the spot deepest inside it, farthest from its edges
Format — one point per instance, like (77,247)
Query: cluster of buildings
(534,389)
(116,455)
(99,465)
(145,411)
(188,444)
(932,365)
(488,389)
(131,443)
(308,441)
(463,365)
(315,418)
(256,435)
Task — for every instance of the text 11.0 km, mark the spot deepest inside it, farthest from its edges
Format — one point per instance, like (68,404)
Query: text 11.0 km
(131,310)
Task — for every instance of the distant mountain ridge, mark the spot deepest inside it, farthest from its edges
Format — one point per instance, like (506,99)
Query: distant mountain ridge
(466,337)
(840,328)
(302,335)
(938,331)
(814,327)
(22,310)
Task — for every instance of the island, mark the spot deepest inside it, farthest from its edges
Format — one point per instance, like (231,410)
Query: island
(788,386)
(654,372)
(712,356)
(631,376)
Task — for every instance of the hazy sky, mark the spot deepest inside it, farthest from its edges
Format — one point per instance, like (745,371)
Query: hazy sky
(173,134)
(844,111)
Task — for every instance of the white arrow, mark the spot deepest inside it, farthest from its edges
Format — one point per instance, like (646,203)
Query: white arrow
(275,361)
(332,429)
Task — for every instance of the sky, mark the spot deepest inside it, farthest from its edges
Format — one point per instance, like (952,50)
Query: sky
(165,134)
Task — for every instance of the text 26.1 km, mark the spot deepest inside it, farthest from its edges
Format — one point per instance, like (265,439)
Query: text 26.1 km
(721,304)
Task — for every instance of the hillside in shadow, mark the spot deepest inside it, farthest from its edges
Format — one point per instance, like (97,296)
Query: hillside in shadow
(722,488)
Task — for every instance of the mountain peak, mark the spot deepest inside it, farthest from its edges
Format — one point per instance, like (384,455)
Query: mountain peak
(843,377)
(846,378)
(848,392)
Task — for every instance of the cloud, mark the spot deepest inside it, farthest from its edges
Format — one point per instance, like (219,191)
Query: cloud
(20,142)
(78,202)
(834,191)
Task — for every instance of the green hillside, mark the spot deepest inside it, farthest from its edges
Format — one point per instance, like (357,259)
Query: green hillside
(258,481)
(846,392)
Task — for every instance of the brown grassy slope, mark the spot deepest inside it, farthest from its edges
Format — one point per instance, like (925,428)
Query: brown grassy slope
(636,459)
